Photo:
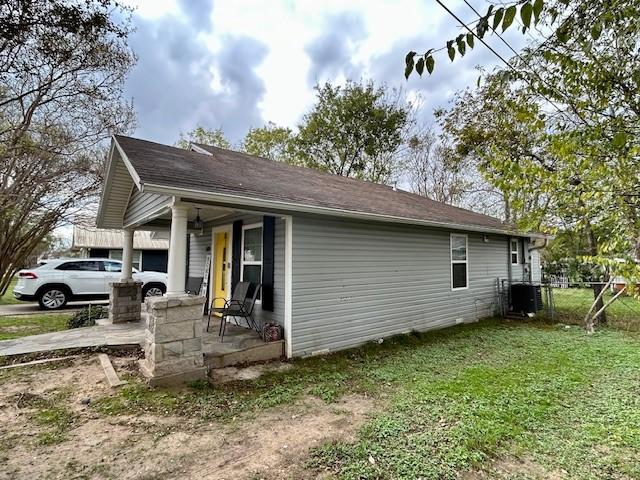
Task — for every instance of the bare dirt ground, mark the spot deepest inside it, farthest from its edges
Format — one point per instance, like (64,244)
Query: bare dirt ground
(273,444)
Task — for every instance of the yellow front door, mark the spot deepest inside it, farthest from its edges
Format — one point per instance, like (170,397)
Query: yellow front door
(220,270)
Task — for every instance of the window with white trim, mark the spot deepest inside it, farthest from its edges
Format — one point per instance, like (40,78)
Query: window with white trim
(251,261)
(459,262)
(515,251)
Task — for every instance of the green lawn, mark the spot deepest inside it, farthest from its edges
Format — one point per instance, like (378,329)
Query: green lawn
(8,298)
(572,304)
(453,401)
(23,325)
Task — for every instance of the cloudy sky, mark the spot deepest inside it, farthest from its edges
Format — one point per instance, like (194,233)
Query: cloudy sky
(235,64)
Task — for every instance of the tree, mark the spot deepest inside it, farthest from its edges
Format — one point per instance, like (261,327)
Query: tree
(213,138)
(353,131)
(429,171)
(575,97)
(62,71)
(272,142)
(493,122)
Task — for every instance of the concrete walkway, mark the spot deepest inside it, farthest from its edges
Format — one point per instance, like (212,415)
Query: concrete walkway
(98,336)
(240,344)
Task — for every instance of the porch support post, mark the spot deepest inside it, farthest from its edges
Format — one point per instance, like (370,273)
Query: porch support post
(288,285)
(177,264)
(125,296)
(127,255)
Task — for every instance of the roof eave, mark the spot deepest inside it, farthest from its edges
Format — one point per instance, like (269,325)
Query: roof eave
(106,185)
(302,208)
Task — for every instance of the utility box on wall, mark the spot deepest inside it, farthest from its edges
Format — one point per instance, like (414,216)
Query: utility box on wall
(526,298)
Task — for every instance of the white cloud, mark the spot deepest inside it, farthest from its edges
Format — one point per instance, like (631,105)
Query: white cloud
(299,42)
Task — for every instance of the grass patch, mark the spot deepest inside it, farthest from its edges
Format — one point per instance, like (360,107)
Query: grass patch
(57,420)
(8,298)
(572,304)
(455,400)
(24,325)
(51,414)
(558,396)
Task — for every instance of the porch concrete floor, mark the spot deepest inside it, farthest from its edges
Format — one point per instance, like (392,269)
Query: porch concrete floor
(236,341)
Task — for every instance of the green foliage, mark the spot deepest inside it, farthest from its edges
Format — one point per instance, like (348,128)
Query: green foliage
(63,65)
(272,142)
(213,138)
(560,134)
(353,130)
(87,316)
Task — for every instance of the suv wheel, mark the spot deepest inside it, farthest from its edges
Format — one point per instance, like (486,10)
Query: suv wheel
(153,290)
(52,298)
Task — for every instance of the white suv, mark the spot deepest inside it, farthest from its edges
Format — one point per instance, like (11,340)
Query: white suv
(56,282)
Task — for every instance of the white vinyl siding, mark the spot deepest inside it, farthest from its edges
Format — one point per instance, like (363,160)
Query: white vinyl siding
(355,282)
(199,248)
(143,206)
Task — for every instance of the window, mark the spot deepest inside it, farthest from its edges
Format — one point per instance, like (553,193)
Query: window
(459,262)
(515,252)
(251,268)
(112,267)
(88,266)
(136,260)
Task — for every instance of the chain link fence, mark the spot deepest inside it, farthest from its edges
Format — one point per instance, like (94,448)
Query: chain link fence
(566,302)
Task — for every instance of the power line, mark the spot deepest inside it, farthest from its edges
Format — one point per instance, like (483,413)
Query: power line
(562,112)
(547,84)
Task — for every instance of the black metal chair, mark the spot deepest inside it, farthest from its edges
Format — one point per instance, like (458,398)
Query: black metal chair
(239,306)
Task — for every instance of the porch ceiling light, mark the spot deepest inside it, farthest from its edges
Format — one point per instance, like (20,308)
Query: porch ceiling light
(197,223)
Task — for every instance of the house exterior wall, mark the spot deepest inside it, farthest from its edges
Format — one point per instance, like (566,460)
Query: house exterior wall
(277,316)
(143,205)
(536,266)
(199,248)
(357,281)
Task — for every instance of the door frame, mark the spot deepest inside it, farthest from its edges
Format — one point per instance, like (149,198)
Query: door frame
(228,229)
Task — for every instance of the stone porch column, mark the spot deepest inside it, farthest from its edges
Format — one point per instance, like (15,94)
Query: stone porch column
(125,296)
(173,340)
(177,263)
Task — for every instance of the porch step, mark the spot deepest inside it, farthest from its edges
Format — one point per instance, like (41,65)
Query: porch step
(263,352)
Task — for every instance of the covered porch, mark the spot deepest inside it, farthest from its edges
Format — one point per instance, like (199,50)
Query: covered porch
(211,249)
(216,240)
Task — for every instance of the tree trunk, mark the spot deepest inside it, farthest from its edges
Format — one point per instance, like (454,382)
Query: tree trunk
(597,287)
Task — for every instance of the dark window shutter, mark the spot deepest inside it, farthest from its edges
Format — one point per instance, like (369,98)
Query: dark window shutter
(268,241)
(236,253)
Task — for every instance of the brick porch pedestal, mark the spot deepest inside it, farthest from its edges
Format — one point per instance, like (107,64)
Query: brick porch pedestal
(125,301)
(173,340)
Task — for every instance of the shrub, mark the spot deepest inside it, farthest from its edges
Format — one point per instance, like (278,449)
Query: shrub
(87,316)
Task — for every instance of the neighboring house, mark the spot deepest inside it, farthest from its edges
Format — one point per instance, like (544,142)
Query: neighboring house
(150,249)
(342,261)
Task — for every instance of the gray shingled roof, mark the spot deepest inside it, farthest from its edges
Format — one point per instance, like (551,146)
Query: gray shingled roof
(236,173)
